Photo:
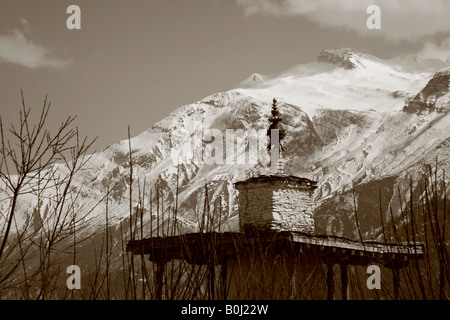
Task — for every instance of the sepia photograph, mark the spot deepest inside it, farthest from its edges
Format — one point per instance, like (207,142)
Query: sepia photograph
(224,154)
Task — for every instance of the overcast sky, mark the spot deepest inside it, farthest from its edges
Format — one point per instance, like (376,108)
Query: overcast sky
(134,61)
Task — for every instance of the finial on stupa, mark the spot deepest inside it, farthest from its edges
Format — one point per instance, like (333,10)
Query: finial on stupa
(275,124)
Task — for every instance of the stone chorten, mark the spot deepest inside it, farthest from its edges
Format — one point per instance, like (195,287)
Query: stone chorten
(276,202)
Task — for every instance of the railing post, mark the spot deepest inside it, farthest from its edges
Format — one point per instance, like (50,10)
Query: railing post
(160,266)
(344,280)
(330,281)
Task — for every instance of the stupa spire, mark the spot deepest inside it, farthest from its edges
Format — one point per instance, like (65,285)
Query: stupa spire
(275,124)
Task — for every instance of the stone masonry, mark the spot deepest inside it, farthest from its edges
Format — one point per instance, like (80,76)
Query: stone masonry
(276,203)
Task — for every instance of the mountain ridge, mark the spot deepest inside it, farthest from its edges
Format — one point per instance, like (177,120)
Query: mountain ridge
(369,135)
(345,126)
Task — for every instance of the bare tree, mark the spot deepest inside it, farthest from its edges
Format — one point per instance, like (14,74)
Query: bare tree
(37,162)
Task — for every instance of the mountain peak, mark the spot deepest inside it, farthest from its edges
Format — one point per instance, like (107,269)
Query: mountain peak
(255,78)
(346,58)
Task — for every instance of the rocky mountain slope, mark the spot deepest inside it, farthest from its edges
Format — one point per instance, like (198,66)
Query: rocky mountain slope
(353,121)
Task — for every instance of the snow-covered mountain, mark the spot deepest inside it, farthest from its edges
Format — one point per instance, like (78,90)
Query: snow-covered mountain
(352,121)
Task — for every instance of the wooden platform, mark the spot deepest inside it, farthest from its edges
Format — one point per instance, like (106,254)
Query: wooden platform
(213,249)
(197,248)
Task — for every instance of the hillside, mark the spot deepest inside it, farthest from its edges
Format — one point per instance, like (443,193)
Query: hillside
(353,122)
